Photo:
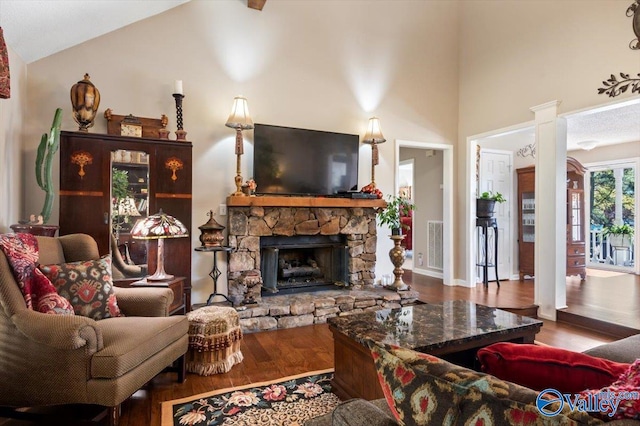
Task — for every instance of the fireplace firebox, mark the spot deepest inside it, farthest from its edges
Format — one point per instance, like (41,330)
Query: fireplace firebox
(291,264)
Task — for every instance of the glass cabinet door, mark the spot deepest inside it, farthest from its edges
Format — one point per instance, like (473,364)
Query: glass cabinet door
(129,202)
(576,217)
(528,217)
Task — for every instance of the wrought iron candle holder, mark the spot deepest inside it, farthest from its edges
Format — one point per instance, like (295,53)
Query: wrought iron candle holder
(180,133)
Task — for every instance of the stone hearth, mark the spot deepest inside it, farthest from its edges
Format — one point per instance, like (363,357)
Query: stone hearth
(247,223)
(297,310)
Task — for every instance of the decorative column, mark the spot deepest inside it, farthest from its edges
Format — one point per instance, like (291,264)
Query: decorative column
(551,199)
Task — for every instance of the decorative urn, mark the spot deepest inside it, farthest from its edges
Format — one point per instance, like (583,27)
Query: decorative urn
(211,232)
(85,99)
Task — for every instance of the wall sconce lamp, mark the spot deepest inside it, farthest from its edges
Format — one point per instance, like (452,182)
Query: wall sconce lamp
(159,226)
(373,137)
(239,120)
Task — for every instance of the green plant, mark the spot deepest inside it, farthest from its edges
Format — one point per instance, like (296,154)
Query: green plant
(396,207)
(119,183)
(623,229)
(489,195)
(49,145)
(119,192)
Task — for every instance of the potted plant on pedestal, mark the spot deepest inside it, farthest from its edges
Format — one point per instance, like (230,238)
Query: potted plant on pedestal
(397,206)
(485,204)
(390,215)
(49,144)
(619,235)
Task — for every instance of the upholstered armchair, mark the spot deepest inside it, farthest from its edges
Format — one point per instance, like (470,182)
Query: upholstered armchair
(71,359)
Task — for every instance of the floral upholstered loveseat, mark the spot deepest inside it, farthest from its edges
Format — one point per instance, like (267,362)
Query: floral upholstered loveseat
(421,389)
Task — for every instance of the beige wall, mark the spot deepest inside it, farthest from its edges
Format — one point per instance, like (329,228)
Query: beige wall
(427,196)
(12,111)
(312,64)
(519,54)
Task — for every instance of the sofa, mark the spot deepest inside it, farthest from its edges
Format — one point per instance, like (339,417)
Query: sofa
(49,359)
(457,392)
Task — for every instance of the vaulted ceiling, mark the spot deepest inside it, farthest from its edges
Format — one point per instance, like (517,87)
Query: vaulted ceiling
(35,29)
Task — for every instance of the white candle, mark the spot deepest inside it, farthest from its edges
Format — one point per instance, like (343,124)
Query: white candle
(177,87)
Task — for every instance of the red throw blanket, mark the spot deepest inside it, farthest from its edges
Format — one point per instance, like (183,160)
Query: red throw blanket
(39,293)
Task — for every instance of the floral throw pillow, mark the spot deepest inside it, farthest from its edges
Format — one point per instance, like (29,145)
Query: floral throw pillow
(87,285)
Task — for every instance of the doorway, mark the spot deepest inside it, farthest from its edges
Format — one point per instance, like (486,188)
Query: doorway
(406,188)
(431,191)
(496,176)
(611,206)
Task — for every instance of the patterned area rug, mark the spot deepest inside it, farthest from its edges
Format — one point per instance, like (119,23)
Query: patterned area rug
(284,402)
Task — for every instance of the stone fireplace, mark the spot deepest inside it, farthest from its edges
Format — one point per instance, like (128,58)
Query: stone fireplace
(309,238)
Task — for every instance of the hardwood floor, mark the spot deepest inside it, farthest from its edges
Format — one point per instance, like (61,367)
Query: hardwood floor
(274,354)
(510,294)
(605,297)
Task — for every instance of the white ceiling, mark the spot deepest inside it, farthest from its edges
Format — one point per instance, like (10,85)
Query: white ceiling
(613,124)
(35,29)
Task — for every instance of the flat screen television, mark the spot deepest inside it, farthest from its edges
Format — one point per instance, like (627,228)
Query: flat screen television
(290,161)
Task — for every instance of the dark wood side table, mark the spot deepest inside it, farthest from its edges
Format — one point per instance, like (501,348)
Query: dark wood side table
(181,294)
(215,271)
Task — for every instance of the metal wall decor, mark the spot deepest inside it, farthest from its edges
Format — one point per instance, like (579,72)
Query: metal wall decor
(613,87)
(634,12)
(527,150)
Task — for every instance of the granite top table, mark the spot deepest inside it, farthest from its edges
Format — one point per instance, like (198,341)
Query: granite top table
(453,330)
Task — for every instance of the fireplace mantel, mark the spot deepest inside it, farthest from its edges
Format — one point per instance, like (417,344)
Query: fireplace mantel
(285,201)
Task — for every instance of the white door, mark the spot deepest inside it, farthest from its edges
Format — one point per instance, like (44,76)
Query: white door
(495,175)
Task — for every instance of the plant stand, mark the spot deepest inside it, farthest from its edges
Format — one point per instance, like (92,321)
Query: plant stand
(483,225)
(397,256)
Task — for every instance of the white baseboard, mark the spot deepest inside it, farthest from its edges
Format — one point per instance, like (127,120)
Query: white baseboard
(428,273)
(464,283)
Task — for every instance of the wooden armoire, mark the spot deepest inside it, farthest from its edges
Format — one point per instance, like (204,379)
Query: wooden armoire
(159,172)
(576,227)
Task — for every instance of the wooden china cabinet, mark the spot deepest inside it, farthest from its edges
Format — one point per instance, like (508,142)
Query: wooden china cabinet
(158,173)
(575,229)
(526,220)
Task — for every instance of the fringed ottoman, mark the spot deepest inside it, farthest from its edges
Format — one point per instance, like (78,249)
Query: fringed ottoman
(214,340)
